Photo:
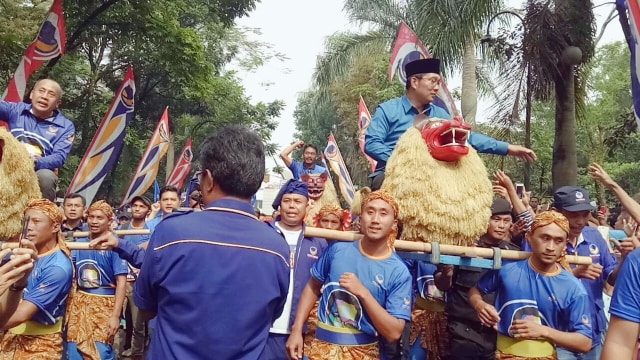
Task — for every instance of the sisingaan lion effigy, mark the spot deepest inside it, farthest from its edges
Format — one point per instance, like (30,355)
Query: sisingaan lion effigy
(444,195)
(18,184)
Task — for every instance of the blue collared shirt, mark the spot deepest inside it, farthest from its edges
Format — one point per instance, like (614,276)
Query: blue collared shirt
(217,280)
(393,117)
(49,141)
(298,168)
(590,243)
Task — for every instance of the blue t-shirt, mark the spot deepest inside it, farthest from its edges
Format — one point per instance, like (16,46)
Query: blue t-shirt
(297,169)
(97,268)
(555,300)
(387,279)
(217,279)
(138,239)
(625,302)
(393,117)
(48,286)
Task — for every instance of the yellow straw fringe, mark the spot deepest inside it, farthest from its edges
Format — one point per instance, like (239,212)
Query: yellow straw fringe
(447,202)
(18,184)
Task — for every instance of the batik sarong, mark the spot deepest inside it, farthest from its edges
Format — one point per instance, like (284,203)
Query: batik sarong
(88,322)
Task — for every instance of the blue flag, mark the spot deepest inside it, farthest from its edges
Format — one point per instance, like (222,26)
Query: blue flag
(156,191)
(629,12)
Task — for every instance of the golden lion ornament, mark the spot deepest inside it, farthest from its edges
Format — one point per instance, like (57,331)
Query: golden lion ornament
(18,184)
(440,183)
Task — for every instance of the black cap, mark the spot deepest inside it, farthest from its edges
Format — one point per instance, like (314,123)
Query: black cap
(124,214)
(500,206)
(144,199)
(422,66)
(572,198)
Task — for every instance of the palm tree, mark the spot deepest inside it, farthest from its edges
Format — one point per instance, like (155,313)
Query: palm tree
(449,28)
(559,38)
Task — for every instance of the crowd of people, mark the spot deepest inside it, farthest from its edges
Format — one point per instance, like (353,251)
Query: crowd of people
(216,282)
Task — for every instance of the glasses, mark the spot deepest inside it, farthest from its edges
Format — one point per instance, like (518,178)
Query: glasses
(433,81)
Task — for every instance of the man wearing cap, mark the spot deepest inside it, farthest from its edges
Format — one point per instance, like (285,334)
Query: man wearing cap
(292,200)
(468,339)
(574,203)
(393,117)
(136,326)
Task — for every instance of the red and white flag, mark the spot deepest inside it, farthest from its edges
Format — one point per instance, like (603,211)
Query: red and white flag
(407,48)
(182,167)
(364,119)
(48,44)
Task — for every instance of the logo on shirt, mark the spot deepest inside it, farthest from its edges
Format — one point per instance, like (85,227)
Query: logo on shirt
(313,252)
(406,303)
(343,309)
(379,279)
(52,130)
(585,319)
(593,249)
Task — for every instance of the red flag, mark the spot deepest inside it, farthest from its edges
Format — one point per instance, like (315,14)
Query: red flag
(48,44)
(407,48)
(363,123)
(181,170)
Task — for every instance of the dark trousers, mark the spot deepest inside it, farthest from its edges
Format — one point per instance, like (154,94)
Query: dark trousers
(396,350)
(471,341)
(376,182)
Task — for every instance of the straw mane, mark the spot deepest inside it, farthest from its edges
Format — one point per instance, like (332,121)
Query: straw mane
(329,196)
(18,183)
(447,202)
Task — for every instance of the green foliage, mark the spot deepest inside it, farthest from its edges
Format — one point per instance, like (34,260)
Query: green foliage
(178,50)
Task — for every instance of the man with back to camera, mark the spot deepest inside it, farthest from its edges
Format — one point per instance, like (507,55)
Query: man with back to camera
(232,273)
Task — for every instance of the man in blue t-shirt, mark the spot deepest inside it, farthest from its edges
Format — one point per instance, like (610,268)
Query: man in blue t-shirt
(539,306)
(393,117)
(36,325)
(309,156)
(216,279)
(364,288)
(574,203)
(96,307)
(624,328)
(136,326)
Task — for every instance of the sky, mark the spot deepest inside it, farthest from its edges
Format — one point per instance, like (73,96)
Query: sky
(298,29)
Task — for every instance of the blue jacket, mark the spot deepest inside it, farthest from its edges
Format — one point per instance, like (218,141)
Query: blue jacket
(308,250)
(393,117)
(49,139)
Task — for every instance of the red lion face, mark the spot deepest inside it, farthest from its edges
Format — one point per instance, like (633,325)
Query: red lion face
(446,139)
(315,183)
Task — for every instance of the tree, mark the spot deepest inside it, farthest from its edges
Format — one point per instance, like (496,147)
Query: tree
(179,50)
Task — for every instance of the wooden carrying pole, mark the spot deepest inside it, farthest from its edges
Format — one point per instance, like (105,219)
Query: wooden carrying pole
(465,251)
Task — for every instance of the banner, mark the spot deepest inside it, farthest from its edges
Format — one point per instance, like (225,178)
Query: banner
(407,48)
(631,25)
(147,169)
(182,167)
(333,156)
(364,120)
(48,44)
(104,149)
